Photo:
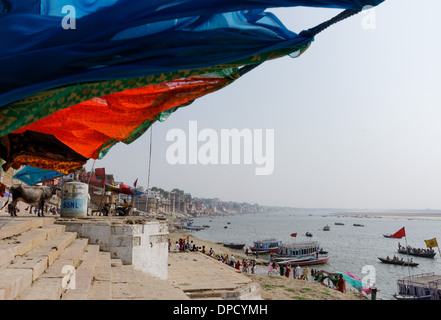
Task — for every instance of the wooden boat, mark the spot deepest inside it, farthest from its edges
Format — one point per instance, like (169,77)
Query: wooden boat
(308,234)
(190,226)
(306,261)
(296,251)
(326,228)
(390,236)
(399,262)
(234,245)
(256,253)
(339,224)
(424,253)
(407,297)
(424,286)
(358,225)
(267,245)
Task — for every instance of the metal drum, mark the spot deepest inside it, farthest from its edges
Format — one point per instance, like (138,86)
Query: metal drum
(74,199)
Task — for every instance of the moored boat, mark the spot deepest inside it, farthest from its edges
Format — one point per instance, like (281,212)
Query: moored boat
(308,234)
(233,245)
(307,261)
(300,253)
(425,286)
(407,297)
(326,228)
(398,262)
(190,226)
(265,246)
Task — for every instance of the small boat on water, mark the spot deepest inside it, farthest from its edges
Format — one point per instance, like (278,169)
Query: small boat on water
(358,225)
(307,261)
(190,226)
(267,245)
(233,245)
(339,224)
(407,297)
(398,262)
(388,235)
(424,286)
(308,234)
(423,253)
(256,253)
(326,228)
(301,254)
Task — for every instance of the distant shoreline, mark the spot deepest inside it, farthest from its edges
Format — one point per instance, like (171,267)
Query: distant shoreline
(393,215)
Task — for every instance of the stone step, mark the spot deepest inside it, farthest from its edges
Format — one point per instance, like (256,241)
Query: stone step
(52,283)
(13,282)
(28,240)
(101,288)
(10,227)
(120,287)
(83,275)
(15,276)
(131,284)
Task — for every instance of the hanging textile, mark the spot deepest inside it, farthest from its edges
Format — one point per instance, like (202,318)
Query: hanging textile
(31,175)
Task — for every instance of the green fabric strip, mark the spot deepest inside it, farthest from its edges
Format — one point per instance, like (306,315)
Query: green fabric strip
(23,112)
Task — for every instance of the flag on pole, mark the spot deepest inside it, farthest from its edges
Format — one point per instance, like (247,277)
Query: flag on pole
(431,243)
(293,234)
(135,183)
(99,172)
(399,234)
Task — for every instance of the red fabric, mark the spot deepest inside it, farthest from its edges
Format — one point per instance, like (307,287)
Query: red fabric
(399,234)
(91,125)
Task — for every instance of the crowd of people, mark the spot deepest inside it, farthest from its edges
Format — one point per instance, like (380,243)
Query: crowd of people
(244,265)
(296,272)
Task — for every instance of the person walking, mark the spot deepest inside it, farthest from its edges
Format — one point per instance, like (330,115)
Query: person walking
(306,273)
(374,292)
(297,272)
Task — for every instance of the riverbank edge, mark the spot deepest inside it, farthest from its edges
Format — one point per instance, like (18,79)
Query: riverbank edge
(273,287)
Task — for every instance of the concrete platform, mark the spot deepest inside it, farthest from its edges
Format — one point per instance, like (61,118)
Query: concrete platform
(202,277)
(34,251)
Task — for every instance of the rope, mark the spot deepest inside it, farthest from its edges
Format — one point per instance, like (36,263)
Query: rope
(310,33)
(342,16)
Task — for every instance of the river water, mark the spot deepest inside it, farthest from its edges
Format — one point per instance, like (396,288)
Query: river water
(351,249)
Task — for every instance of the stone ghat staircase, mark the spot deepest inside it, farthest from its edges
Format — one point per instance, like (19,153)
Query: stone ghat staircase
(39,260)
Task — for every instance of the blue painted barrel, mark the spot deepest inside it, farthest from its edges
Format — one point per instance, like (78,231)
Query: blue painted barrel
(74,199)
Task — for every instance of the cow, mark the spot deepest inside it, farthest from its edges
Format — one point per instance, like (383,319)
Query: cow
(35,195)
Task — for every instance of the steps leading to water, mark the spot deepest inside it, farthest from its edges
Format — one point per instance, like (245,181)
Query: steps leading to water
(40,260)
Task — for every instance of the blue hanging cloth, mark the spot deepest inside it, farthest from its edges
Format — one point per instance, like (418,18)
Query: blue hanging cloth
(32,175)
(54,43)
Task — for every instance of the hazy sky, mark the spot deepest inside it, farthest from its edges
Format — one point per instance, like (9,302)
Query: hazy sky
(356,119)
